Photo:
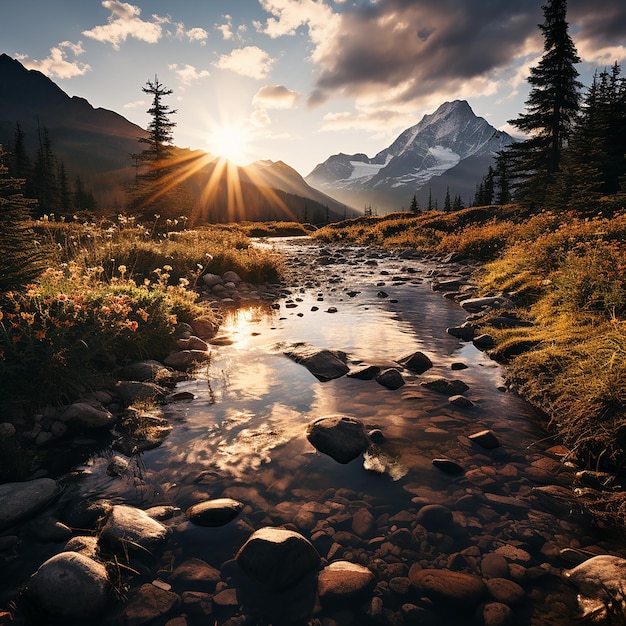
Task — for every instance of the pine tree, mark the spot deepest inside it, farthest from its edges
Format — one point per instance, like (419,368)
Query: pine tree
(447,204)
(457,203)
(551,109)
(414,207)
(430,200)
(19,163)
(22,257)
(502,177)
(45,186)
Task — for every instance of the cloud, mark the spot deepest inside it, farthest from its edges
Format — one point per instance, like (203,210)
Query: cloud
(56,64)
(249,61)
(197,34)
(227,28)
(188,73)
(601,37)
(260,118)
(275,97)
(136,104)
(124,22)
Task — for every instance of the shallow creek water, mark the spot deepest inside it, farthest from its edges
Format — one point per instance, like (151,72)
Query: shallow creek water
(243,436)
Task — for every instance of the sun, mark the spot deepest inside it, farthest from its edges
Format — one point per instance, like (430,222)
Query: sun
(229,141)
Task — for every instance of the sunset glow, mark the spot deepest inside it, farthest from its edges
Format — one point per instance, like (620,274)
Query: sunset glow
(231,142)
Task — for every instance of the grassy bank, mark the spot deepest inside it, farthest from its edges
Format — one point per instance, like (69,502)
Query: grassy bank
(567,274)
(113,292)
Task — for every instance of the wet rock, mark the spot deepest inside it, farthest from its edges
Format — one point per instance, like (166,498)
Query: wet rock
(162,512)
(84,415)
(343,582)
(494,614)
(210,280)
(117,466)
(184,359)
(485,439)
(505,591)
(277,557)
(494,566)
(600,577)
(364,372)
(390,378)
(475,305)
(363,523)
(376,435)
(448,466)
(484,342)
(7,430)
(70,586)
(204,327)
(19,501)
(445,586)
(50,529)
(434,517)
(458,366)
(130,529)
(144,371)
(147,604)
(323,364)
(84,544)
(217,512)
(461,402)
(445,386)
(466,331)
(195,575)
(417,362)
(196,604)
(130,391)
(340,437)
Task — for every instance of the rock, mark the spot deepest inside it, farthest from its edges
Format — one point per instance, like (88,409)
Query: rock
(390,378)
(343,582)
(49,529)
(70,586)
(84,415)
(193,343)
(231,277)
(184,359)
(600,577)
(195,575)
(204,327)
(364,372)
(84,544)
(494,614)
(445,586)
(277,557)
(130,529)
(217,512)
(461,401)
(117,466)
(210,280)
(363,523)
(484,342)
(130,391)
(416,362)
(505,591)
(494,566)
(163,512)
(144,371)
(458,365)
(7,430)
(197,604)
(148,604)
(323,364)
(434,517)
(466,331)
(448,466)
(450,284)
(340,437)
(485,439)
(19,501)
(445,386)
(475,305)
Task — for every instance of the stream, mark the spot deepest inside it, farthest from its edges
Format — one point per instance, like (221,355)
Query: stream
(242,436)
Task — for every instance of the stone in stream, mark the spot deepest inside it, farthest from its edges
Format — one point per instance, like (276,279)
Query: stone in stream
(86,415)
(184,359)
(390,378)
(484,342)
(506,591)
(117,466)
(364,372)
(323,364)
(416,362)
(147,604)
(494,614)
(217,512)
(434,517)
(340,437)
(485,439)
(19,501)
(70,586)
(461,402)
(448,466)
(144,371)
(277,558)
(445,386)
(195,575)
(600,577)
(130,391)
(447,587)
(466,331)
(475,305)
(344,582)
(129,529)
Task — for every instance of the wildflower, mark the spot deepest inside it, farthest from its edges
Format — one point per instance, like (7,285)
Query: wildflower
(133,325)
(40,334)
(122,270)
(1,316)
(167,268)
(143,314)
(29,318)
(183,282)
(62,297)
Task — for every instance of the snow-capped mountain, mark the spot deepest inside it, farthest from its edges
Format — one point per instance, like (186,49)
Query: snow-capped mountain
(452,146)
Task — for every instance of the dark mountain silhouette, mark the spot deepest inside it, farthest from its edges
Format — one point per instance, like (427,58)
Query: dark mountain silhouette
(96,144)
(451,148)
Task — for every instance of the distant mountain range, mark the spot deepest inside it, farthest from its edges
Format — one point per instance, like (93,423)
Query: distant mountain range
(451,149)
(96,144)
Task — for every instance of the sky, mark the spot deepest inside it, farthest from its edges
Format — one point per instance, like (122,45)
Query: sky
(300,80)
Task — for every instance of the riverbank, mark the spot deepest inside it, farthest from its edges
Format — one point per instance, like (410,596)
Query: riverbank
(566,275)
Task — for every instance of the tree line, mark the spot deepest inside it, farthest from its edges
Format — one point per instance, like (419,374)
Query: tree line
(45,178)
(573,156)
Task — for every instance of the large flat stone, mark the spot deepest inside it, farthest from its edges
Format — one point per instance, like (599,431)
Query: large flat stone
(19,501)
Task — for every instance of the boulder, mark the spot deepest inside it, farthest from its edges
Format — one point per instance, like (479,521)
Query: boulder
(84,415)
(144,371)
(434,517)
(342,582)
(485,439)
(600,577)
(475,305)
(443,385)
(210,280)
(130,391)
(130,529)
(364,372)
(340,437)
(147,604)
(19,501)
(461,402)
(390,378)
(204,327)
(231,277)
(323,364)
(277,557)
(466,331)
(70,586)
(416,362)
(484,342)
(184,359)
(448,587)
(217,512)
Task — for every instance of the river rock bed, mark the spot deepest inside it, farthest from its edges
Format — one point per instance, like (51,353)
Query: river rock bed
(449,507)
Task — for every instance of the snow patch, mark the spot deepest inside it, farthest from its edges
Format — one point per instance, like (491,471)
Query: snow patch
(362,170)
